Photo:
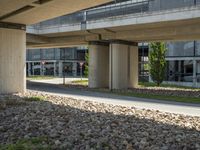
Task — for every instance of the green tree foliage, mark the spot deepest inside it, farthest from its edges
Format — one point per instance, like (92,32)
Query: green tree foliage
(86,64)
(157,62)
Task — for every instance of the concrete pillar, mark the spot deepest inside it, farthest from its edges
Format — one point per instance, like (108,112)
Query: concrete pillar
(60,68)
(123,65)
(12,60)
(98,65)
(194,72)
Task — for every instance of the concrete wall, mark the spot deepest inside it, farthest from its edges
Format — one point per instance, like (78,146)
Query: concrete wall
(12,60)
(98,66)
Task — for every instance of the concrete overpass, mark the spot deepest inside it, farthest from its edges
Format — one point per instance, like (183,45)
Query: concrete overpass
(166,25)
(113,40)
(14,16)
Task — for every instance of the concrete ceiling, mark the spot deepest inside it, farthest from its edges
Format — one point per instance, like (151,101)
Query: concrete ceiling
(34,11)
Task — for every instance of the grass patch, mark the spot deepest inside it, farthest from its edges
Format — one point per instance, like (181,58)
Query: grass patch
(195,100)
(162,97)
(34,98)
(40,77)
(150,84)
(81,82)
(28,144)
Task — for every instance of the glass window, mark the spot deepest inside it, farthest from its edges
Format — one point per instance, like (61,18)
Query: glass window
(34,54)
(47,53)
(197,52)
(67,53)
(180,71)
(180,49)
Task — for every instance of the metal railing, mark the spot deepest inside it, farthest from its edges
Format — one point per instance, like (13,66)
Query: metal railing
(115,10)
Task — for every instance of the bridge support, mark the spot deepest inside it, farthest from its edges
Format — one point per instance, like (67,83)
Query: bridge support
(123,65)
(12,60)
(98,64)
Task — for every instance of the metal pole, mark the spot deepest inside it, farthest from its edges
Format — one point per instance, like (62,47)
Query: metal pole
(64,72)
(63,78)
(194,72)
(81,72)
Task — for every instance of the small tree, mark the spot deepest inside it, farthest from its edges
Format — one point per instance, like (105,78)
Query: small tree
(157,62)
(86,64)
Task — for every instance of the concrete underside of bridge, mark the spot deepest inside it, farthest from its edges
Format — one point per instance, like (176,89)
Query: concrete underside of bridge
(34,11)
(167,25)
(163,31)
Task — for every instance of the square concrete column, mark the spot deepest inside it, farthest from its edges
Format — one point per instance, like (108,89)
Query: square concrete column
(12,60)
(98,65)
(123,65)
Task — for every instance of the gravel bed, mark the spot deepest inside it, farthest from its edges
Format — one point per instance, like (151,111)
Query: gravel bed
(83,125)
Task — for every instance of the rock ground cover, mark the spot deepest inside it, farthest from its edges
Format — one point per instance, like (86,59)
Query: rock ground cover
(67,123)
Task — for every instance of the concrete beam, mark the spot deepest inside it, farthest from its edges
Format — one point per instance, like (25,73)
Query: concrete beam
(169,31)
(184,32)
(55,45)
(33,38)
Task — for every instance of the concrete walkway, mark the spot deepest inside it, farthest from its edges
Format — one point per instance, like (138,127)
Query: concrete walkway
(141,103)
(56,80)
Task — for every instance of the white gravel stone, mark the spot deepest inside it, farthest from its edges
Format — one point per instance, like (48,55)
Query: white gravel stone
(76,124)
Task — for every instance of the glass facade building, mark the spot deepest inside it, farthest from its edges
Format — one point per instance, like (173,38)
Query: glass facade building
(183,63)
(53,61)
